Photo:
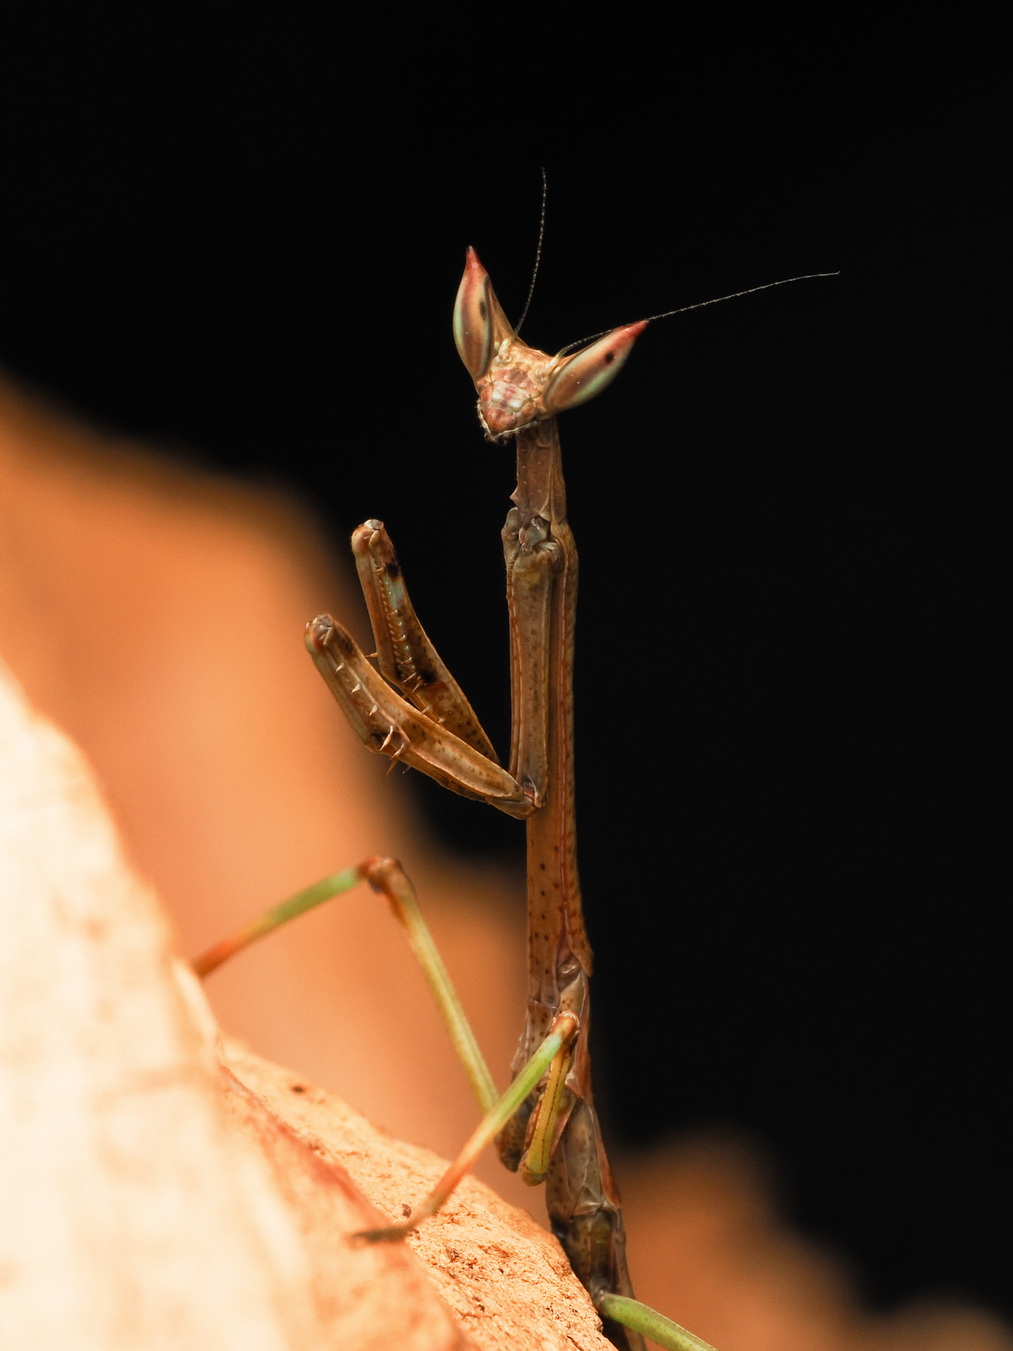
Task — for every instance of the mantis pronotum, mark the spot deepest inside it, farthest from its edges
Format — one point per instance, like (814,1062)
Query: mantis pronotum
(548,1129)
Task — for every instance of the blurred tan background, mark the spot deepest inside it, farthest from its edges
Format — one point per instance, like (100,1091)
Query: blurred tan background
(156,613)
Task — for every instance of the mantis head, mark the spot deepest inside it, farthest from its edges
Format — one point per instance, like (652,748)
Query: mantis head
(517,384)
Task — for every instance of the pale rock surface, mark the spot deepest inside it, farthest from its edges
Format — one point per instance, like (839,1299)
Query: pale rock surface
(152,1197)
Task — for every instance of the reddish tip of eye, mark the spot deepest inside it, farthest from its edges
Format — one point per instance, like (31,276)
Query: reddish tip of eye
(622,339)
(472,262)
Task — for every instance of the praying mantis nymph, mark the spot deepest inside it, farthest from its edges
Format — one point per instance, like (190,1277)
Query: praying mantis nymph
(545,1124)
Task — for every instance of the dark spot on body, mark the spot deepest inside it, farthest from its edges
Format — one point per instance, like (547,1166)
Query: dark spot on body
(393,571)
(427,675)
(337,637)
(609,358)
(298,1088)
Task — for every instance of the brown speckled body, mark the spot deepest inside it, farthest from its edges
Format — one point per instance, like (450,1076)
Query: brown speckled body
(541,561)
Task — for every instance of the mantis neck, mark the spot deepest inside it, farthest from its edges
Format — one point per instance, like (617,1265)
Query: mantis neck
(542,594)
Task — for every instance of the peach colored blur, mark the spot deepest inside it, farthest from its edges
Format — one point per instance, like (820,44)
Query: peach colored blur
(156,612)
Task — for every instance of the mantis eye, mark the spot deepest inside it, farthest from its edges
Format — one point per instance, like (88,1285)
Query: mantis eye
(586,373)
(479,322)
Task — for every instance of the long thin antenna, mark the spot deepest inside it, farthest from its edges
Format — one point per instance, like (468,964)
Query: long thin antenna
(700,304)
(538,251)
(808,276)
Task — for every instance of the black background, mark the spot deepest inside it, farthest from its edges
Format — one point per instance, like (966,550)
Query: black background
(242,238)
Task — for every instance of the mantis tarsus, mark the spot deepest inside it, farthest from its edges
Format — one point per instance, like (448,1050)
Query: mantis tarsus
(548,1129)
